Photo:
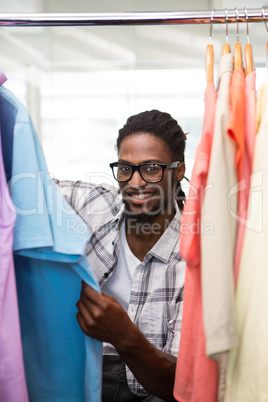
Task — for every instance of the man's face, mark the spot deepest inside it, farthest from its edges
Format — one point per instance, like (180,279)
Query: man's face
(145,201)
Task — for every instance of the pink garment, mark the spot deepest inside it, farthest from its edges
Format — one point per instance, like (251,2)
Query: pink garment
(236,123)
(12,377)
(196,374)
(250,134)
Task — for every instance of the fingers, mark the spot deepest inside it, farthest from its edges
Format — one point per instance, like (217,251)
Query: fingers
(82,323)
(101,316)
(85,311)
(87,317)
(88,294)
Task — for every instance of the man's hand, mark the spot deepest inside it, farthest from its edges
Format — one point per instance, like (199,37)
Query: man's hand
(102,317)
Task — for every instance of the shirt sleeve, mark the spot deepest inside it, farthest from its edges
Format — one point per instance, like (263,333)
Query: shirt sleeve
(74,192)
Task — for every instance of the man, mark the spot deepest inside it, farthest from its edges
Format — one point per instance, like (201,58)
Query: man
(134,253)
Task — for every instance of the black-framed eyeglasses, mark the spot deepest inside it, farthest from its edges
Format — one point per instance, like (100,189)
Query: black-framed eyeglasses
(149,172)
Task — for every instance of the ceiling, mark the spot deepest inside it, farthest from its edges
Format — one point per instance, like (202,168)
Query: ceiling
(142,47)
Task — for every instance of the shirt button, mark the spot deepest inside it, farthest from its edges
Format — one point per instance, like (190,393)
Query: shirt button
(106,274)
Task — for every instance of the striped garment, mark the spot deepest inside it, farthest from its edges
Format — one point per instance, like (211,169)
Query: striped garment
(156,299)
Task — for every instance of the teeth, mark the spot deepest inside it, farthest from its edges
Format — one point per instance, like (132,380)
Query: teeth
(141,196)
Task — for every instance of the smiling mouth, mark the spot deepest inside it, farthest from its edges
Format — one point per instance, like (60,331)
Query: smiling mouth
(141,196)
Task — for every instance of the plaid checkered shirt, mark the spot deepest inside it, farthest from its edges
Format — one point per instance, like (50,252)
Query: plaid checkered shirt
(156,299)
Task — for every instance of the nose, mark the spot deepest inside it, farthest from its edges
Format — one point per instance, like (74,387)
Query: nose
(136,181)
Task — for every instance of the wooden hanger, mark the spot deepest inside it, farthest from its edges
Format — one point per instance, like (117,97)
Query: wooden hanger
(210,56)
(249,67)
(210,63)
(238,60)
(226,48)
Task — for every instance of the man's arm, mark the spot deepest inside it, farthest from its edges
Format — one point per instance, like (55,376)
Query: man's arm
(103,318)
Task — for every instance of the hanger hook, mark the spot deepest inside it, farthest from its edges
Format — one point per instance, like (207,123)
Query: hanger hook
(226,21)
(237,28)
(211,23)
(246,14)
(265,22)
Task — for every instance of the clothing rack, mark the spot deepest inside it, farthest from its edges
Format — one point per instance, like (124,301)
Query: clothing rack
(135,18)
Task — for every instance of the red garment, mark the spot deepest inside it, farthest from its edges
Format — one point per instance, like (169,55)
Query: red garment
(196,375)
(249,142)
(236,124)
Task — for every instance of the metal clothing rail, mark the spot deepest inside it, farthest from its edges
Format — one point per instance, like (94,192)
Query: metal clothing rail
(134,18)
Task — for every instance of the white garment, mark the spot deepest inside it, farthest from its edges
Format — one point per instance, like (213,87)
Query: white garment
(119,285)
(218,210)
(248,364)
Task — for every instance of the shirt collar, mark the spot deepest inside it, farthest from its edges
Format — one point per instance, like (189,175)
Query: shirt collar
(168,242)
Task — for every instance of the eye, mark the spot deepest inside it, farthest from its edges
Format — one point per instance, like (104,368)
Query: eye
(152,168)
(124,168)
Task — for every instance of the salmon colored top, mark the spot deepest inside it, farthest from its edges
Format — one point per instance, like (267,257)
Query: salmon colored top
(196,374)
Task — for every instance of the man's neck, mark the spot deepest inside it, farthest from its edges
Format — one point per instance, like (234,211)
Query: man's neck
(142,236)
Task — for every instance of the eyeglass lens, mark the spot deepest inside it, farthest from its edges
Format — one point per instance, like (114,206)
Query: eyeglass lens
(148,172)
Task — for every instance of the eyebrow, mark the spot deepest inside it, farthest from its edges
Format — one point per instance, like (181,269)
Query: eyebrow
(142,163)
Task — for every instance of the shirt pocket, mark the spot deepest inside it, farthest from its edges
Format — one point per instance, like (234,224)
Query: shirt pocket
(153,322)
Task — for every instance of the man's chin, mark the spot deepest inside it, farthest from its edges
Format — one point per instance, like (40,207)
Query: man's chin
(141,216)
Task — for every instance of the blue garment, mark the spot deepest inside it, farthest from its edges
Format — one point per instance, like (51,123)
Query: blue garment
(61,364)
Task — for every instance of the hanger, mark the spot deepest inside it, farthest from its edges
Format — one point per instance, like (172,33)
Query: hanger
(226,47)
(238,61)
(210,54)
(248,51)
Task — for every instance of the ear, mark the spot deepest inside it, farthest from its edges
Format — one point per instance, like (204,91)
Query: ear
(180,171)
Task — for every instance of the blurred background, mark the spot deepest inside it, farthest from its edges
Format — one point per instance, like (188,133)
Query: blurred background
(80,84)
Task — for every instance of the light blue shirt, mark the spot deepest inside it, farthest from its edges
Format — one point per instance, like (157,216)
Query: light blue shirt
(61,364)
